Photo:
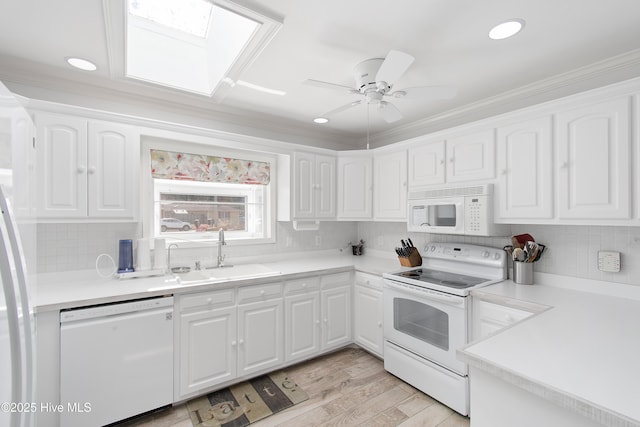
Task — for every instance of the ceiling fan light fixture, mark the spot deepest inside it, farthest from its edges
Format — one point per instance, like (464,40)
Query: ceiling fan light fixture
(506,29)
(320,120)
(81,64)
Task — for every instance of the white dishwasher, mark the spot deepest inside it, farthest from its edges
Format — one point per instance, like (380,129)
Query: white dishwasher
(116,361)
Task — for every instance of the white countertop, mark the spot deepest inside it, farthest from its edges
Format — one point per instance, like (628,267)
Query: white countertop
(57,291)
(582,351)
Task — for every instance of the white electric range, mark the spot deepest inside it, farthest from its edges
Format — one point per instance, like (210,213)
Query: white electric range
(426,314)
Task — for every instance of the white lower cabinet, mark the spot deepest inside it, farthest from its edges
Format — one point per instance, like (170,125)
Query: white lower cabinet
(317,315)
(302,318)
(367,313)
(335,303)
(206,350)
(489,318)
(260,329)
(227,335)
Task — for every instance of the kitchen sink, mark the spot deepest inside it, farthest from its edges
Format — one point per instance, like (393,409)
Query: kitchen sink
(227,273)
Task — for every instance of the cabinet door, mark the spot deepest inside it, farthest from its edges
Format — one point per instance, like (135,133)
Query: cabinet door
(489,318)
(260,336)
(525,170)
(113,170)
(390,186)
(61,147)
(593,161)
(368,318)
(471,157)
(355,189)
(336,317)
(208,350)
(302,326)
(426,164)
(303,185)
(325,187)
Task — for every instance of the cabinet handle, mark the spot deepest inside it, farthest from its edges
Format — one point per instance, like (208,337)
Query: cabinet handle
(442,161)
(504,172)
(209,300)
(304,285)
(233,343)
(564,165)
(241,342)
(262,293)
(379,324)
(81,169)
(508,318)
(317,322)
(451,160)
(91,170)
(326,320)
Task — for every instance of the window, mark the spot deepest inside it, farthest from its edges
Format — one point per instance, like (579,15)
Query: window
(184,203)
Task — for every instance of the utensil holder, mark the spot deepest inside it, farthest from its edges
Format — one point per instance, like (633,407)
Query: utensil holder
(523,273)
(413,260)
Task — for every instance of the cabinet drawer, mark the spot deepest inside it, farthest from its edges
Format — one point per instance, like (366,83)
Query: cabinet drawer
(300,286)
(259,293)
(337,279)
(369,280)
(215,299)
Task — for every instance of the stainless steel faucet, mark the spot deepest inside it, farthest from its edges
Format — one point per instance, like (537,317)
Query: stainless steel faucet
(221,242)
(169,255)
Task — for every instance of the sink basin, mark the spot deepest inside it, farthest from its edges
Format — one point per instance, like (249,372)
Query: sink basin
(228,273)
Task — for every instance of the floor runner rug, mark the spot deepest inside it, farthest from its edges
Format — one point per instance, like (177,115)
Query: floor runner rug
(247,402)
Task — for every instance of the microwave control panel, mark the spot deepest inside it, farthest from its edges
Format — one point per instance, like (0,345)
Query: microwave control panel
(476,208)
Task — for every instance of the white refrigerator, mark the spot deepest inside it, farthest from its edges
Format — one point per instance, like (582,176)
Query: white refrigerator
(17,256)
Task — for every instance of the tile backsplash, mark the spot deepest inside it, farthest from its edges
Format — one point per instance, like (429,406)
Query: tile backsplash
(65,247)
(571,250)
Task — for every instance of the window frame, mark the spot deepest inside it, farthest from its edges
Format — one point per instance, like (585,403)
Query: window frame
(149,212)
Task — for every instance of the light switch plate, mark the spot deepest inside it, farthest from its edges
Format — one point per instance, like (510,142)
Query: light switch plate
(609,261)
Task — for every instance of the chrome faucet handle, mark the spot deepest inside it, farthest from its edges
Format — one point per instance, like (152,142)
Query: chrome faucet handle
(198,265)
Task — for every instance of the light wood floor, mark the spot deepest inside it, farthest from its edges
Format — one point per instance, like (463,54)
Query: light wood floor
(346,388)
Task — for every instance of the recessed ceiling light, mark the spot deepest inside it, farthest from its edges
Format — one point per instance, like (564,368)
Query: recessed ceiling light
(506,29)
(321,120)
(82,64)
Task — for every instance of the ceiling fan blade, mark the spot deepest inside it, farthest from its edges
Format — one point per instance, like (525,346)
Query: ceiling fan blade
(427,92)
(389,112)
(342,108)
(327,85)
(394,65)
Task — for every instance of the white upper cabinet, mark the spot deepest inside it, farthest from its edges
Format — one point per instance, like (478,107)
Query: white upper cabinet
(355,185)
(314,186)
(471,156)
(593,158)
(427,163)
(390,185)
(87,169)
(525,160)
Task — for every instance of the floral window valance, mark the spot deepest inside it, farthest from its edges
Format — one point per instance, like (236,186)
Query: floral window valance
(200,167)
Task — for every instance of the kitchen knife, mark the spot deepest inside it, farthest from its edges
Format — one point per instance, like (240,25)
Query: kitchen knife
(410,243)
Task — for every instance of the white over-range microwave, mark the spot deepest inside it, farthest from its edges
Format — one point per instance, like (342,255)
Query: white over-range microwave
(459,210)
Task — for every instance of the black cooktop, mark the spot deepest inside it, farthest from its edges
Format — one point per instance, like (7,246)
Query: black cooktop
(452,280)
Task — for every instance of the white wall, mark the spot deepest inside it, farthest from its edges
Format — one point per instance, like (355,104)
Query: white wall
(66,247)
(571,250)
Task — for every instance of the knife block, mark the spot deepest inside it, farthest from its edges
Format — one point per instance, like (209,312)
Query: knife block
(413,260)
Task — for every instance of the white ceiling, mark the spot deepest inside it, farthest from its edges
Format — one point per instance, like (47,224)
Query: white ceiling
(566,46)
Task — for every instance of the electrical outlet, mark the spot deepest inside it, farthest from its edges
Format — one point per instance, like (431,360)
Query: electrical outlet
(289,241)
(380,240)
(318,240)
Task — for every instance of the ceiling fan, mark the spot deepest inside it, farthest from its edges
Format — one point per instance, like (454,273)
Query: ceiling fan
(374,79)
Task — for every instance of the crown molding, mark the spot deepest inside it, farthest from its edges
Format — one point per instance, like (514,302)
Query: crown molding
(612,70)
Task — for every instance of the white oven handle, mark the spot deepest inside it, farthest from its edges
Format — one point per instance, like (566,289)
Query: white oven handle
(424,293)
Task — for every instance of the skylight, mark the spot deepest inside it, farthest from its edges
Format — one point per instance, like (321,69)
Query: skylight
(190,16)
(193,45)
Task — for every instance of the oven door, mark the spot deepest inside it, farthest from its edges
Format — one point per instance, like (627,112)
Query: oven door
(445,215)
(428,323)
